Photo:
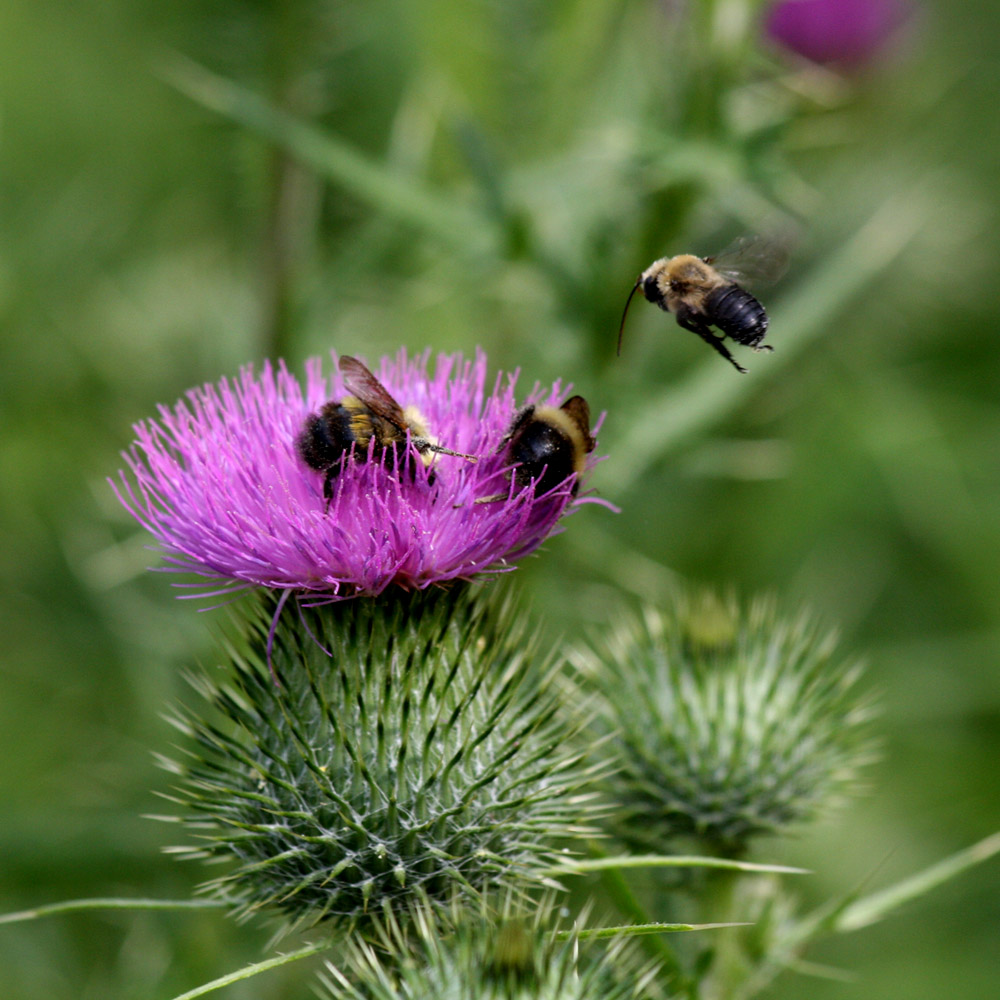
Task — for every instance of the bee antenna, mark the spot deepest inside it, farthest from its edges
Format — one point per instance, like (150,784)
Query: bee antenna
(422,444)
(628,302)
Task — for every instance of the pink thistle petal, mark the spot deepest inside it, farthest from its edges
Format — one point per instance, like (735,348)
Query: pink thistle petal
(217,480)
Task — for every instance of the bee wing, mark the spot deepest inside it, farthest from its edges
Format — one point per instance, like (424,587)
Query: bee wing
(363,384)
(753,260)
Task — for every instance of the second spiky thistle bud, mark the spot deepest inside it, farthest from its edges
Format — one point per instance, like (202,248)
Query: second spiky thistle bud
(729,721)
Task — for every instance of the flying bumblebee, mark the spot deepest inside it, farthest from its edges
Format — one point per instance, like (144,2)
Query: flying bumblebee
(369,415)
(547,444)
(706,292)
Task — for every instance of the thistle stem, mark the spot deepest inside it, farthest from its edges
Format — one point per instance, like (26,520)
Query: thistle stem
(628,904)
(729,964)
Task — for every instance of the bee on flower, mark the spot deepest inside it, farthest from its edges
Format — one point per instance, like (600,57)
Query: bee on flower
(353,482)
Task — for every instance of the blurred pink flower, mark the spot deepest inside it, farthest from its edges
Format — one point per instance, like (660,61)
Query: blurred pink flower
(218,482)
(844,32)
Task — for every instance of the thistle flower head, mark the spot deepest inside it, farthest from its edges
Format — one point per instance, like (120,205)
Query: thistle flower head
(414,746)
(730,720)
(220,482)
(842,32)
(498,958)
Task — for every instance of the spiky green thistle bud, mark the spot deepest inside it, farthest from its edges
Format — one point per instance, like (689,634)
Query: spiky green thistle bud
(728,721)
(503,958)
(415,745)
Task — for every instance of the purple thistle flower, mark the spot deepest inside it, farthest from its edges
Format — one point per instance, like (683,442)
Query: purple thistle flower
(217,479)
(844,32)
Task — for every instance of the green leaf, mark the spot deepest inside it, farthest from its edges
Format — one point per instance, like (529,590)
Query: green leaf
(851,913)
(872,908)
(385,190)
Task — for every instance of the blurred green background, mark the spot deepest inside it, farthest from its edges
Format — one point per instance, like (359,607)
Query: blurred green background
(186,187)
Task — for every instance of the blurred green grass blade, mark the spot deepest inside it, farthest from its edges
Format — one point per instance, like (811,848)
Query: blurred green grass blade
(483,166)
(74,905)
(252,970)
(586,865)
(387,191)
(817,971)
(872,908)
(715,390)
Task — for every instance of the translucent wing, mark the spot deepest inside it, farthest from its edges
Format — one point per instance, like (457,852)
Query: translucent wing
(363,384)
(753,260)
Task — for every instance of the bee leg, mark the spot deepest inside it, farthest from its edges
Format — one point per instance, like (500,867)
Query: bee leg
(693,322)
(328,479)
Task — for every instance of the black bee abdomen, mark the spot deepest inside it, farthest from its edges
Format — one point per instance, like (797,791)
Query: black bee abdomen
(737,314)
(540,446)
(325,437)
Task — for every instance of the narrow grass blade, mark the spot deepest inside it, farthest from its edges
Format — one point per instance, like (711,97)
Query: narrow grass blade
(585,865)
(637,930)
(252,970)
(72,905)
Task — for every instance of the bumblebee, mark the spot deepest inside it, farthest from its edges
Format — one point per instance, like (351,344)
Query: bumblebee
(547,444)
(368,418)
(706,292)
